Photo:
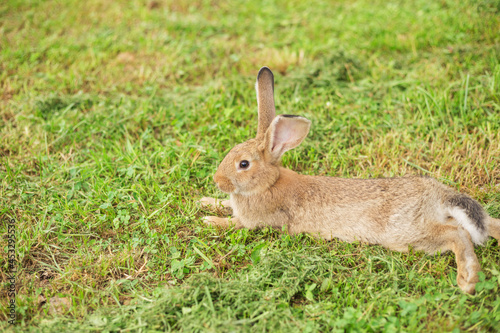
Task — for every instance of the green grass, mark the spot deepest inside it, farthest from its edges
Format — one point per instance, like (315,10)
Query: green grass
(115,114)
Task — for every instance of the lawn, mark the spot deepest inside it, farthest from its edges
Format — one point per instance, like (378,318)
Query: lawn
(115,114)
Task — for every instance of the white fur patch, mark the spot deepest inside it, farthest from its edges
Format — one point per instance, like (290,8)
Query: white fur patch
(461,217)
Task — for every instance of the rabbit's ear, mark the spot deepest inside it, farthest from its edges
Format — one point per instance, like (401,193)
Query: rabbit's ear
(265,100)
(284,133)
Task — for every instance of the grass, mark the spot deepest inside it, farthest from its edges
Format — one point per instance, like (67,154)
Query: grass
(115,115)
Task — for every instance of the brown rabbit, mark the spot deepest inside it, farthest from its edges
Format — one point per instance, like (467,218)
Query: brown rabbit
(393,212)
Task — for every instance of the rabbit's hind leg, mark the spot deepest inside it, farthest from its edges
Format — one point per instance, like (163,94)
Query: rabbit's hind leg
(452,238)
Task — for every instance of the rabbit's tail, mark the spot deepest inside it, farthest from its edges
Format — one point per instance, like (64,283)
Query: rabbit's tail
(470,215)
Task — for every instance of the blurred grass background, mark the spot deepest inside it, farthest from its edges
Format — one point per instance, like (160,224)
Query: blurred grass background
(115,114)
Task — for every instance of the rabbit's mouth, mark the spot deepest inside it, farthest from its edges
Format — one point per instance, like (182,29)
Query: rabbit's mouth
(227,188)
(225,185)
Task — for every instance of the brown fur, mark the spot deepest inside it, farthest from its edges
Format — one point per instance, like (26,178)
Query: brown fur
(265,99)
(393,212)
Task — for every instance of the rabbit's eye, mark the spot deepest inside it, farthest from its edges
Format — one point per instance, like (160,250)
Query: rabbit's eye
(244,164)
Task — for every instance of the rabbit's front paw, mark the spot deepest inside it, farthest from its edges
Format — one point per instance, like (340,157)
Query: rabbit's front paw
(216,221)
(222,222)
(207,202)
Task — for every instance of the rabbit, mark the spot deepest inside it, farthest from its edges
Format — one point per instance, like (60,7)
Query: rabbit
(392,212)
